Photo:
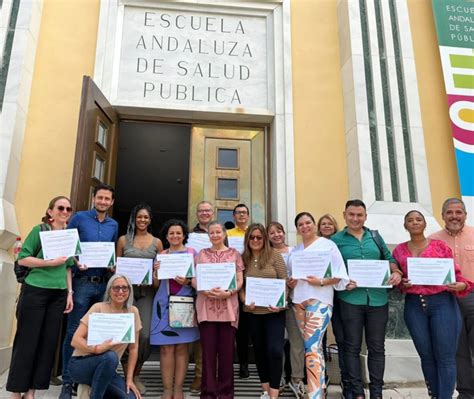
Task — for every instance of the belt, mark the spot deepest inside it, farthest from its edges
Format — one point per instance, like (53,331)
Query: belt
(91,279)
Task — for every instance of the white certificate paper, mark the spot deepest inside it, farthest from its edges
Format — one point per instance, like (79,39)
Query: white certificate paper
(237,243)
(198,241)
(56,243)
(97,254)
(311,263)
(175,265)
(138,270)
(213,275)
(119,327)
(265,292)
(369,273)
(431,271)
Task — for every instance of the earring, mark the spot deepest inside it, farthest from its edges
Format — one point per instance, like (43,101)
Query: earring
(50,220)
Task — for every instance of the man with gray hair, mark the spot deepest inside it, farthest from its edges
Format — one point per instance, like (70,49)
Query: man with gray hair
(460,239)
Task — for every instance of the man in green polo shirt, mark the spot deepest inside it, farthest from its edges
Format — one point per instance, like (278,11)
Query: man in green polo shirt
(364,308)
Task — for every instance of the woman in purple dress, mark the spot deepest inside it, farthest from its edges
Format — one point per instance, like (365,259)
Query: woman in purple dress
(173,342)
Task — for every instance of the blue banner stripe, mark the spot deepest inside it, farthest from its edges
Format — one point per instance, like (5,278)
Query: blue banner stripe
(465,162)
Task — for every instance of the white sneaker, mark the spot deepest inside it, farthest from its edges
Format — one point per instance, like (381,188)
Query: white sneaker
(298,388)
(264,395)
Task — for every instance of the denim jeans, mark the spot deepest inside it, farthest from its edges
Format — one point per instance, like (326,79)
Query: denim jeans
(86,294)
(465,353)
(373,320)
(434,323)
(100,372)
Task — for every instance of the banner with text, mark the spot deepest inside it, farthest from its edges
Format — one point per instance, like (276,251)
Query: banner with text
(455,27)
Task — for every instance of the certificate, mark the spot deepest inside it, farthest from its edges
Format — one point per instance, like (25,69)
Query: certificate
(369,273)
(119,327)
(431,271)
(56,243)
(97,254)
(175,265)
(311,263)
(237,243)
(198,241)
(265,292)
(213,275)
(138,270)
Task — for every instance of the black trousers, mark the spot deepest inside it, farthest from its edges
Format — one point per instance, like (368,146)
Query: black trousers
(268,337)
(242,337)
(39,314)
(373,320)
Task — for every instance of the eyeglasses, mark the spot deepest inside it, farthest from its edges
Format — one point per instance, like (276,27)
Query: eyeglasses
(241,213)
(62,208)
(258,238)
(118,288)
(204,211)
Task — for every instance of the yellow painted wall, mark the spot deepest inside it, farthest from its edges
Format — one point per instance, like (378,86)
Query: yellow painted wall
(320,148)
(66,52)
(434,107)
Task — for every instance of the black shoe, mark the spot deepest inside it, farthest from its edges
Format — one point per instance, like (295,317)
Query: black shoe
(74,389)
(244,371)
(66,392)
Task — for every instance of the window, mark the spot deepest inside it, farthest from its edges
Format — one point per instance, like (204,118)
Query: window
(227,158)
(227,188)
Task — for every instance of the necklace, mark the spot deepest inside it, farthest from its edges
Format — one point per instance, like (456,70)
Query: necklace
(255,261)
(424,245)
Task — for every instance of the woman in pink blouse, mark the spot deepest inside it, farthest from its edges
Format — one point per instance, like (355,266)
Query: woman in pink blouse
(218,317)
(431,311)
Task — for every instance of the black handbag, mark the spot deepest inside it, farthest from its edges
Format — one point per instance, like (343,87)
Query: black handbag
(21,272)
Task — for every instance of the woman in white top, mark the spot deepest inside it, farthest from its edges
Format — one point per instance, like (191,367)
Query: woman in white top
(313,299)
(277,237)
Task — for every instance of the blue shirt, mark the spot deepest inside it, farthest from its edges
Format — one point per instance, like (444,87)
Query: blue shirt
(92,230)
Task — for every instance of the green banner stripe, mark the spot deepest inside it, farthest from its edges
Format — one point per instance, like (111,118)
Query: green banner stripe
(463,81)
(462,61)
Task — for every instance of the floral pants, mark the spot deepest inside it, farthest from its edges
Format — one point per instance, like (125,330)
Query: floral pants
(313,318)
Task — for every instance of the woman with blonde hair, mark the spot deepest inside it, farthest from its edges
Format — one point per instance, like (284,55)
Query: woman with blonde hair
(96,365)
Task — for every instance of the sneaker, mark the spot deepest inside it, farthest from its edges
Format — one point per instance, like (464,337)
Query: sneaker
(244,371)
(264,395)
(298,388)
(66,392)
(282,385)
(195,385)
(140,385)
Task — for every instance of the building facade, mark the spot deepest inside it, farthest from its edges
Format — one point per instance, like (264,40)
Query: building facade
(284,105)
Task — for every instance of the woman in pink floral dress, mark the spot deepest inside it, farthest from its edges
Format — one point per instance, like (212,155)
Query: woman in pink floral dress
(218,316)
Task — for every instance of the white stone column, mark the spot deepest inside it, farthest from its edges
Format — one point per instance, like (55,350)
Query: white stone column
(19,30)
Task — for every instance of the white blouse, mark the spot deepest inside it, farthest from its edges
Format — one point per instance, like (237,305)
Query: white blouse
(304,290)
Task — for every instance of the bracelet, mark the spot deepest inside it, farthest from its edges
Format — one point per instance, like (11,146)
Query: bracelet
(398,271)
(321,282)
(70,292)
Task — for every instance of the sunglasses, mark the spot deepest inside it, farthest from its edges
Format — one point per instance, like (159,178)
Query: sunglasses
(118,288)
(258,238)
(62,208)
(241,213)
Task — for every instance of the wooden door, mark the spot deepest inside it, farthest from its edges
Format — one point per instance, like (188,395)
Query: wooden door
(96,145)
(227,168)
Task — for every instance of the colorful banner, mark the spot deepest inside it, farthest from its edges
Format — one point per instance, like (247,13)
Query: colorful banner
(455,27)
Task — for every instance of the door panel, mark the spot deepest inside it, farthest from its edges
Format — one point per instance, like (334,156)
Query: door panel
(227,168)
(96,145)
